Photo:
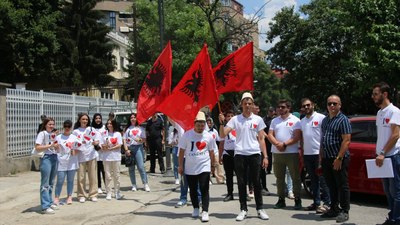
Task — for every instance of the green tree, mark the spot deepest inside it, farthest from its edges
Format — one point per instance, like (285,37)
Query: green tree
(339,47)
(28,40)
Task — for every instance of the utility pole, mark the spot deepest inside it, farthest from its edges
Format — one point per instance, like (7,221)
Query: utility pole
(135,59)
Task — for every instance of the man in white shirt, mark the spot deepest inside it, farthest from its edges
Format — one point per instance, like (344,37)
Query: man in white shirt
(249,142)
(388,146)
(284,135)
(310,146)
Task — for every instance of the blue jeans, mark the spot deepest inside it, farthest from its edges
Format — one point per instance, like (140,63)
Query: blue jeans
(317,182)
(70,181)
(175,161)
(289,181)
(48,171)
(392,189)
(137,158)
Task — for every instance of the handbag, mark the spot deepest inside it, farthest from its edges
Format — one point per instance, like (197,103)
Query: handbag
(35,153)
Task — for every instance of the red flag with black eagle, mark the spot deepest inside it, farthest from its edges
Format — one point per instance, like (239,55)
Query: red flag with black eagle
(156,86)
(195,90)
(235,72)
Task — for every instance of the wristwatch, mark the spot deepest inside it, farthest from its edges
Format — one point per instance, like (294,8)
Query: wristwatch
(339,158)
(382,152)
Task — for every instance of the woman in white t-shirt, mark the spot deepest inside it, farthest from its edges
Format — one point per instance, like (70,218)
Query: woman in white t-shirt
(45,142)
(67,161)
(87,157)
(97,124)
(112,158)
(134,137)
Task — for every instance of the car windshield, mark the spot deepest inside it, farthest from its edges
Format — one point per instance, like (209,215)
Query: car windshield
(363,131)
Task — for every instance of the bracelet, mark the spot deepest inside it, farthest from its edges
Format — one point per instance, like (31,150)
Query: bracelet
(339,158)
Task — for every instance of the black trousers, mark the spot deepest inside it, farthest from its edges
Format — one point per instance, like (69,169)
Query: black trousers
(338,184)
(100,172)
(229,167)
(155,146)
(202,180)
(263,178)
(253,163)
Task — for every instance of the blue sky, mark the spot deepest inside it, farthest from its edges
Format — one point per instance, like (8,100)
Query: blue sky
(268,12)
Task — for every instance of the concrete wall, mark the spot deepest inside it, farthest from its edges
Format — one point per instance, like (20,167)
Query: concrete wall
(10,166)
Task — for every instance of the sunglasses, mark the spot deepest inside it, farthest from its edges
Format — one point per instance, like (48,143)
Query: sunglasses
(306,105)
(332,103)
(281,107)
(67,127)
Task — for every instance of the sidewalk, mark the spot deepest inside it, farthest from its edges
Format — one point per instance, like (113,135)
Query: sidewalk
(19,204)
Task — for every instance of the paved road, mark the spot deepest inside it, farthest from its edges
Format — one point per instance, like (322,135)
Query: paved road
(19,204)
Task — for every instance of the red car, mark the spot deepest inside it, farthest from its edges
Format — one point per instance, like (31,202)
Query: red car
(362,147)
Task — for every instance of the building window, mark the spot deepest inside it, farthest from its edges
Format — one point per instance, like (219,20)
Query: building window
(121,63)
(107,95)
(112,20)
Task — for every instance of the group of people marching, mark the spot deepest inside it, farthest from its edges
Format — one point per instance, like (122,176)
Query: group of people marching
(319,142)
(94,149)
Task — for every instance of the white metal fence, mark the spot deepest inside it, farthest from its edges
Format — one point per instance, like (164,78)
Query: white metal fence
(25,107)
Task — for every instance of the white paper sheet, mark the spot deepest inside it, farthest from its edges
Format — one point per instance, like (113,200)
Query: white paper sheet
(385,171)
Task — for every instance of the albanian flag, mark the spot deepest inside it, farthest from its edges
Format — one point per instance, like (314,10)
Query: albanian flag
(156,86)
(195,90)
(235,72)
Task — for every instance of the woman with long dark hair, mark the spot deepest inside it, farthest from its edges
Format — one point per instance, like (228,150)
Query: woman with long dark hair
(112,158)
(134,137)
(87,157)
(97,124)
(45,142)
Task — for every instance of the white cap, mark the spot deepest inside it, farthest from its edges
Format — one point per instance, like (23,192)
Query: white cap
(247,95)
(200,117)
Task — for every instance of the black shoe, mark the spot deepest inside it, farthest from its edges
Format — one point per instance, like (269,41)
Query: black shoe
(330,214)
(280,204)
(228,197)
(297,204)
(342,217)
(151,171)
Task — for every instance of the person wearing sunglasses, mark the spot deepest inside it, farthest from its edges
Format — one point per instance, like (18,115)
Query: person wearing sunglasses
(335,158)
(67,162)
(310,146)
(284,134)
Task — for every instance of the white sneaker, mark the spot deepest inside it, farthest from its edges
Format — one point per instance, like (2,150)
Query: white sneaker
(147,188)
(48,211)
(108,196)
(118,195)
(176,181)
(204,216)
(251,194)
(93,199)
(290,195)
(54,207)
(195,212)
(262,214)
(134,188)
(82,199)
(99,191)
(241,216)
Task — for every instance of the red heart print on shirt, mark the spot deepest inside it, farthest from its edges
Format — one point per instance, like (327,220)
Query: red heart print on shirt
(214,136)
(93,133)
(254,126)
(200,145)
(87,137)
(135,132)
(290,124)
(128,141)
(113,141)
(69,145)
(233,132)
(53,136)
(315,123)
(387,120)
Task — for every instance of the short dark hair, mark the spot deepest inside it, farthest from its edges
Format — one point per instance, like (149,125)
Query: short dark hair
(67,123)
(286,102)
(306,99)
(383,87)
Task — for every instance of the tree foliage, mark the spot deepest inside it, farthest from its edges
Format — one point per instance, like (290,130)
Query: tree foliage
(338,47)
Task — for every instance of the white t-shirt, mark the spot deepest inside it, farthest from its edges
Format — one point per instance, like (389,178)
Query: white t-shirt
(86,136)
(247,130)
(66,161)
(229,141)
(215,136)
(197,149)
(103,135)
(283,130)
(112,140)
(46,138)
(384,119)
(311,128)
(132,134)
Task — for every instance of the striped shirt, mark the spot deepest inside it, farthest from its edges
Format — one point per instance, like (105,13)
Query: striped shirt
(332,131)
